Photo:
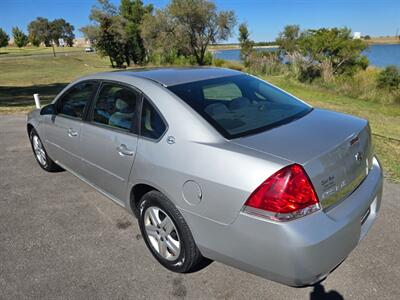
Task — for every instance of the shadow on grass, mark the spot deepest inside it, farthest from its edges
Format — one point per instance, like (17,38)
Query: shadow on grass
(20,96)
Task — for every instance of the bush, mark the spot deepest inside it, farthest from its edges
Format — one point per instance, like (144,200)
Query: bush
(234,66)
(218,62)
(169,58)
(172,57)
(362,85)
(265,63)
(389,78)
(208,59)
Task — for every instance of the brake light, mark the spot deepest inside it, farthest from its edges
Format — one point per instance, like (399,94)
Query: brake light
(286,195)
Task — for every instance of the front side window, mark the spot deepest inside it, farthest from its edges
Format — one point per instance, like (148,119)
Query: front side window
(116,106)
(240,105)
(74,101)
(152,125)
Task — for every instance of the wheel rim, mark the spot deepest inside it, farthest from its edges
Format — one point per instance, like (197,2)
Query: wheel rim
(39,150)
(162,233)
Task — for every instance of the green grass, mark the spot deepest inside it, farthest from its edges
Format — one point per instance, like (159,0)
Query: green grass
(384,119)
(27,51)
(20,78)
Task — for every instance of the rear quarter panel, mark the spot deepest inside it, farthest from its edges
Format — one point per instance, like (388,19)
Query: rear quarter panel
(225,173)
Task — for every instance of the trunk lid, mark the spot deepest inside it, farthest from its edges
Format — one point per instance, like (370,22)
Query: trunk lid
(335,150)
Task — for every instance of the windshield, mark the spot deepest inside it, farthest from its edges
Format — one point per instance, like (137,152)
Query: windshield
(240,105)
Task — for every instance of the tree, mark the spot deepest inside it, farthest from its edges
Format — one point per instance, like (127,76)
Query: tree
(133,12)
(246,44)
(160,36)
(39,31)
(34,40)
(42,30)
(201,24)
(20,38)
(333,51)
(193,24)
(61,29)
(4,38)
(111,37)
(288,38)
(90,32)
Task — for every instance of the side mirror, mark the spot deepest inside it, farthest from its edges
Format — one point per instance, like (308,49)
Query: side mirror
(49,109)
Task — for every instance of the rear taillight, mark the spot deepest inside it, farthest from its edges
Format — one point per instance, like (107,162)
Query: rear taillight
(286,195)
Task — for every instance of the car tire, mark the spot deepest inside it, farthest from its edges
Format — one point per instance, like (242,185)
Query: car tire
(167,235)
(41,156)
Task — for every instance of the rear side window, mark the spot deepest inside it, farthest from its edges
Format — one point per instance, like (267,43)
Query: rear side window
(152,125)
(240,105)
(116,106)
(74,101)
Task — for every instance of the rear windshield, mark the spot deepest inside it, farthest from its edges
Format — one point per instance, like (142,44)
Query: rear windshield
(240,105)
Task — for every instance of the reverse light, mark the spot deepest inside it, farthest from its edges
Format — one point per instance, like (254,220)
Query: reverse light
(286,195)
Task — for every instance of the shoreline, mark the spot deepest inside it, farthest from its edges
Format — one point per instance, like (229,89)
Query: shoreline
(213,48)
(237,47)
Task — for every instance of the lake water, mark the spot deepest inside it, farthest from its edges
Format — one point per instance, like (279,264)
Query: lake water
(378,55)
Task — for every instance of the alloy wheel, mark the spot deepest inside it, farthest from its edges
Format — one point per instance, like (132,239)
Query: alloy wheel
(162,233)
(39,150)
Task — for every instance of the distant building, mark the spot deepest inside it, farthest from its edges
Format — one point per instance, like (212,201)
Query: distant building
(81,42)
(357,35)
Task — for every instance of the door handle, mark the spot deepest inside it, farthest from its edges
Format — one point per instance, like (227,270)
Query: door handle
(72,132)
(123,150)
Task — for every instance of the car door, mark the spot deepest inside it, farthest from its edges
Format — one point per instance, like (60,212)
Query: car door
(110,139)
(63,130)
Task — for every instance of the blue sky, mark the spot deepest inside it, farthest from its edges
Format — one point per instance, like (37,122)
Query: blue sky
(265,18)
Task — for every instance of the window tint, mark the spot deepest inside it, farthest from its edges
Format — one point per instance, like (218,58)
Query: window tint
(116,107)
(152,125)
(240,105)
(73,103)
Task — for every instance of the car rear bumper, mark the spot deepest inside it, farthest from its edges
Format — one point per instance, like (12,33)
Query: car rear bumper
(297,253)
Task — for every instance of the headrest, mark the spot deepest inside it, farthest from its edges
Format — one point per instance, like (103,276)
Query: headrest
(121,105)
(216,108)
(239,103)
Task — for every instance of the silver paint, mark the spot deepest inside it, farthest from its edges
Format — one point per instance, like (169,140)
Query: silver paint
(297,252)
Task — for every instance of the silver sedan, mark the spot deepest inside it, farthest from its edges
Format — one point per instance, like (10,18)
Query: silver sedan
(218,165)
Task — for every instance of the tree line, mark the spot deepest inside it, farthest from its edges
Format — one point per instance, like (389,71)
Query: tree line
(138,33)
(41,30)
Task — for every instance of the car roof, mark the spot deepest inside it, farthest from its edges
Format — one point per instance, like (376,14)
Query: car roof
(176,75)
